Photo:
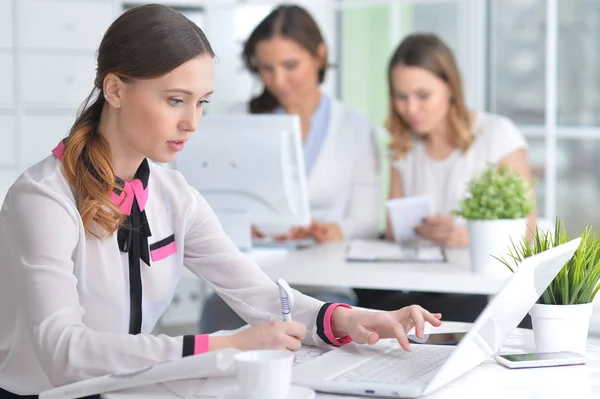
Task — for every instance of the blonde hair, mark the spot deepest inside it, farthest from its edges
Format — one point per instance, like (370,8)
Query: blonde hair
(86,166)
(429,52)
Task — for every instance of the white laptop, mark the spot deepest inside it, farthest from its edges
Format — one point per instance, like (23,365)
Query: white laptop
(387,371)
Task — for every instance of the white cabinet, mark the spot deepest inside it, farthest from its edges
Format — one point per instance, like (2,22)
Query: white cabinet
(6,80)
(6,26)
(40,134)
(56,80)
(70,25)
(8,134)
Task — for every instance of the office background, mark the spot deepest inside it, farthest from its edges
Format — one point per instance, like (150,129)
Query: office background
(534,61)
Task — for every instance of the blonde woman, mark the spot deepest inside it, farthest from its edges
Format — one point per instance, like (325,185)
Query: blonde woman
(438,144)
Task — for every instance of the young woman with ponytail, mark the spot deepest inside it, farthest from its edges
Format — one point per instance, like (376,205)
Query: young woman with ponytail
(94,237)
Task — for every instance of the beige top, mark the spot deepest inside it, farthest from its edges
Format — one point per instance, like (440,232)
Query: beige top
(445,180)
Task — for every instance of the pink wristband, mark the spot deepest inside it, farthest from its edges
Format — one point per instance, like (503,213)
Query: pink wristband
(327,326)
(201,344)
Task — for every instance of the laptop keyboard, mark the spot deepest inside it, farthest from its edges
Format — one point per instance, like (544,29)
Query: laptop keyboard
(397,366)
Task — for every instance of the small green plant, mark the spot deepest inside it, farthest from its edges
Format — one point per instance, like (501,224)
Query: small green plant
(497,193)
(577,282)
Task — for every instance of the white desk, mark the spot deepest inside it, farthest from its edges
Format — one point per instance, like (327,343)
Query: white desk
(325,265)
(488,380)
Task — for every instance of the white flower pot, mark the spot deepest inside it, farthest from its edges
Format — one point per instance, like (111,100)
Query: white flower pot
(493,237)
(561,327)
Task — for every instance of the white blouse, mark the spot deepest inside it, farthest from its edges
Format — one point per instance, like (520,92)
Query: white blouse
(446,180)
(344,185)
(65,295)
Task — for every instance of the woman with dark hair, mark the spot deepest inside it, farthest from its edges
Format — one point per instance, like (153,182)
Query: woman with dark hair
(94,237)
(287,52)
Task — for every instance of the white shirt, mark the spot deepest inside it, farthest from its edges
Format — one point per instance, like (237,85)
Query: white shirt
(344,185)
(64,295)
(445,180)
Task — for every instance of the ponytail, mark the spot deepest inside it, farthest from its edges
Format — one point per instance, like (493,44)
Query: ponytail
(86,166)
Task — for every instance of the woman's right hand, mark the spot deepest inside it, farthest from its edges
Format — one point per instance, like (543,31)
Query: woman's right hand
(286,335)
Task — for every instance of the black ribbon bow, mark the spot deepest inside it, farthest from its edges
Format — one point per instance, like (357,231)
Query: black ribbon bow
(133,239)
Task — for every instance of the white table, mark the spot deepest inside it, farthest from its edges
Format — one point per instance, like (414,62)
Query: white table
(488,380)
(325,265)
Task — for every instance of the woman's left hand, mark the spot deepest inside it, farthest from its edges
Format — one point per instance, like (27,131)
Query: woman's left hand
(369,327)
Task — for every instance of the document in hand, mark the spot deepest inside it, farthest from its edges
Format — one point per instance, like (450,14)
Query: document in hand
(385,251)
(210,364)
(407,213)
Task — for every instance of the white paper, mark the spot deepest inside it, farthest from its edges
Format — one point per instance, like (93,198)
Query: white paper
(307,353)
(210,364)
(407,213)
(377,250)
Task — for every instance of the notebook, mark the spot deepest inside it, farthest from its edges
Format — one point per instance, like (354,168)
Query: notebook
(385,251)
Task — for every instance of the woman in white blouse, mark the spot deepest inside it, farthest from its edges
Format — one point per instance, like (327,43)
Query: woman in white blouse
(287,52)
(94,237)
(437,146)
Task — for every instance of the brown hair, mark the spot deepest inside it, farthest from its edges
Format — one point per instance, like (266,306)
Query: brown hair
(429,52)
(290,22)
(143,43)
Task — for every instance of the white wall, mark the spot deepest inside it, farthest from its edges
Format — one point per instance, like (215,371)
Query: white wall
(47,63)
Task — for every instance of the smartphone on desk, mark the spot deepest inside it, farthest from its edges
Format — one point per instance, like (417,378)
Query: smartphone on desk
(451,338)
(530,360)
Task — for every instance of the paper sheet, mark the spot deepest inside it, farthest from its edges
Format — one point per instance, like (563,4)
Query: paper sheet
(307,353)
(407,213)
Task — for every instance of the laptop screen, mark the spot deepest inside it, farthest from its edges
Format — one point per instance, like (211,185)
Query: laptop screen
(505,311)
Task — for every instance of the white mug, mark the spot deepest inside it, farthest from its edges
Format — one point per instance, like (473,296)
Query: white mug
(265,374)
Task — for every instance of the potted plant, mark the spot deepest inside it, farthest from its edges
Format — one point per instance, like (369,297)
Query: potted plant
(496,208)
(562,314)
